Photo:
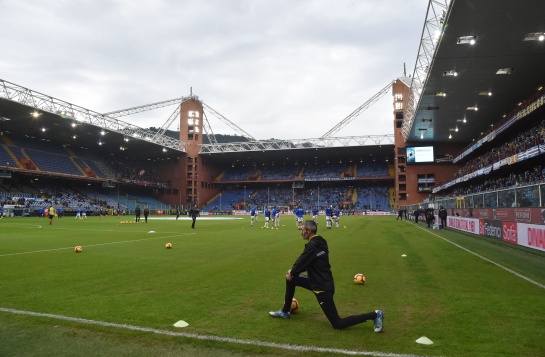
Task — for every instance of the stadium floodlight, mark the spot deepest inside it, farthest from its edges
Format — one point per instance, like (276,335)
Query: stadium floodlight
(534,36)
(505,71)
(451,73)
(462,40)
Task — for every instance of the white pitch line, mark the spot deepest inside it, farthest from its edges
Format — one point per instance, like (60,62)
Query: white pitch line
(210,337)
(92,245)
(484,258)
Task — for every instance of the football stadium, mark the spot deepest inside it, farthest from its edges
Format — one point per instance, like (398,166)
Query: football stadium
(120,240)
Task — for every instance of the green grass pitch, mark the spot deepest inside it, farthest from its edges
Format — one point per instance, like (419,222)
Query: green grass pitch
(470,295)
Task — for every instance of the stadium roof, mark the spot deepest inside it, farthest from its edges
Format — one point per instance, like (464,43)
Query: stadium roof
(18,119)
(503,68)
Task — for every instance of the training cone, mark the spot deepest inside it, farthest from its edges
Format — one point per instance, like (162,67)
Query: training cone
(181,323)
(424,341)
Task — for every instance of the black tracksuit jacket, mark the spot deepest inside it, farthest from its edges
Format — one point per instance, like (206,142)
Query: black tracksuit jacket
(315,261)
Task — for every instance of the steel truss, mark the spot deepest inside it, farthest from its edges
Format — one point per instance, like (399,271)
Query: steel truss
(358,111)
(176,115)
(330,142)
(436,18)
(56,106)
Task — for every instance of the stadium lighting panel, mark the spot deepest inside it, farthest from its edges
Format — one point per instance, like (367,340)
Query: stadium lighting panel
(451,73)
(462,40)
(486,93)
(440,94)
(475,108)
(535,36)
(505,71)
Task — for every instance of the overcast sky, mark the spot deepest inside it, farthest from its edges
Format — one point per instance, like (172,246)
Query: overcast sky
(284,69)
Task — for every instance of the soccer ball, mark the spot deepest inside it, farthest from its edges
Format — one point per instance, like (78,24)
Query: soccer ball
(168,245)
(78,249)
(359,279)
(294,305)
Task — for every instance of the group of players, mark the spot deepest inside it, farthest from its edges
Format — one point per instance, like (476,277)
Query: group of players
(272,216)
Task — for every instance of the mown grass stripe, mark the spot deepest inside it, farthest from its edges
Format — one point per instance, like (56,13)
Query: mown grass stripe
(209,337)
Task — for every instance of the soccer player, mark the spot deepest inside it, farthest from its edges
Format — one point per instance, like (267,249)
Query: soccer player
(84,213)
(328,213)
(336,216)
(78,214)
(1,211)
(267,217)
(137,213)
(194,213)
(252,216)
(277,217)
(319,279)
(146,214)
(51,214)
(300,213)
(315,214)
(273,218)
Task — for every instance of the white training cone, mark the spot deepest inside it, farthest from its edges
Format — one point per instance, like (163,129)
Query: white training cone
(424,341)
(181,323)
(404,255)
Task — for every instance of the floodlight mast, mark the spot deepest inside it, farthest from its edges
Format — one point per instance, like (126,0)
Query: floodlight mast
(357,112)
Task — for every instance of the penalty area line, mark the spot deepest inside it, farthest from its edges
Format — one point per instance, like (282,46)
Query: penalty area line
(208,337)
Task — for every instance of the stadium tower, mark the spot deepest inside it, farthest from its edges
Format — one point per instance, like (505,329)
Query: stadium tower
(414,181)
(191,175)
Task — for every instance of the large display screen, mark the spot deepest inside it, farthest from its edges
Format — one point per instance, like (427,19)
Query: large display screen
(420,154)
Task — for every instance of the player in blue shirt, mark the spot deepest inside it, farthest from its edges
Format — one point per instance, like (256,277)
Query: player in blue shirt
(299,213)
(315,215)
(328,212)
(277,217)
(252,216)
(267,217)
(273,217)
(336,216)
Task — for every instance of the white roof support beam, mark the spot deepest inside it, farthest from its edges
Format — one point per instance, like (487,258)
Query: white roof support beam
(436,18)
(320,143)
(358,111)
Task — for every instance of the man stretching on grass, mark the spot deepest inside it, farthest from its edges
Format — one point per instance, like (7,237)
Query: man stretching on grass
(315,261)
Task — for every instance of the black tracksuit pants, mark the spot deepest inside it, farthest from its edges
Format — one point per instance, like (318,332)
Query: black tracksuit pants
(325,299)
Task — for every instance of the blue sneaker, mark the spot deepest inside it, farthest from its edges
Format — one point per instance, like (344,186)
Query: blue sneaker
(378,320)
(280,313)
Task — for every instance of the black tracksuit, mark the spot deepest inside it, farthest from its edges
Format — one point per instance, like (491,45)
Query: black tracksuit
(319,279)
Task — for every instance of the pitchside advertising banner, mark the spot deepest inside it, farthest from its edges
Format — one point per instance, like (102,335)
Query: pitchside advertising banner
(535,215)
(490,228)
(470,225)
(524,234)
